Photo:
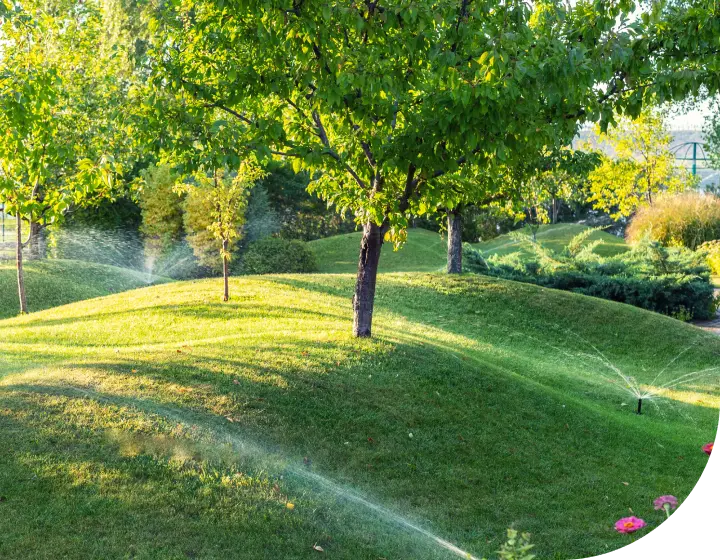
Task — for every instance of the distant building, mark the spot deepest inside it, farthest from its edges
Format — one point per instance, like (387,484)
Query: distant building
(688,146)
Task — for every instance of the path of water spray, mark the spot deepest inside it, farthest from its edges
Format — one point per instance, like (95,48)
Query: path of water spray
(629,385)
(221,435)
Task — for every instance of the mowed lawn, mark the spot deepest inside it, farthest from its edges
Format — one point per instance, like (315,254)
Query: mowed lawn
(555,237)
(49,283)
(424,251)
(162,423)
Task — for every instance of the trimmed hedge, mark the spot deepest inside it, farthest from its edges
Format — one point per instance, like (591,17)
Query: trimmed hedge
(274,255)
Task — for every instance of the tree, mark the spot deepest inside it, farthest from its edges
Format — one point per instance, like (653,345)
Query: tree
(161,207)
(378,100)
(52,111)
(215,212)
(642,166)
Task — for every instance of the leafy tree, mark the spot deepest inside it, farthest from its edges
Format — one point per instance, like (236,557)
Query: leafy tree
(54,108)
(162,213)
(379,100)
(642,167)
(215,213)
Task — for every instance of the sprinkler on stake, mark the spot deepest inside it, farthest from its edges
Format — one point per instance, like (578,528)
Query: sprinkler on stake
(639,408)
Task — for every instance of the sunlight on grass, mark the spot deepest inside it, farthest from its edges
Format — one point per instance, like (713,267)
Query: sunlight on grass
(165,395)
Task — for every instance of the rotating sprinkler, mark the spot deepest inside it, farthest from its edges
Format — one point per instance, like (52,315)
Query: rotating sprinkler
(639,408)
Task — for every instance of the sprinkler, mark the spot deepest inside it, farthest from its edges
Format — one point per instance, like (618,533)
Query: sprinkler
(639,408)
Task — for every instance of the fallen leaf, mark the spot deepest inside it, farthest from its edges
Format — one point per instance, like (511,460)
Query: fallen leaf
(236,382)
(319,548)
(134,371)
(626,483)
(371,440)
(290,505)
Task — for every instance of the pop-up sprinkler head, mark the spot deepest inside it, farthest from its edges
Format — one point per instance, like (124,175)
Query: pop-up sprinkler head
(639,408)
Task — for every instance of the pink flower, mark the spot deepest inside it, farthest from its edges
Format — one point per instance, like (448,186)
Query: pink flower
(629,525)
(707,448)
(666,502)
(660,502)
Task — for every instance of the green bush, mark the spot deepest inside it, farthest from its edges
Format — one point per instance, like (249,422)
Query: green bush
(673,281)
(684,220)
(711,251)
(274,255)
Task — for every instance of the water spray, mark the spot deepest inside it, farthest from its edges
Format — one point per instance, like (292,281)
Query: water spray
(242,445)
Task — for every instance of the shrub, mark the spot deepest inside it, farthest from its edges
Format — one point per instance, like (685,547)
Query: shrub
(673,281)
(684,220)
(162,216)
(711,251)
(274,255)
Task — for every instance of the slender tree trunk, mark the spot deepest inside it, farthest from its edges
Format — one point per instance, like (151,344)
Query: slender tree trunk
(454,248)
(20,274)
(226,295)
(364,298)
(554,210)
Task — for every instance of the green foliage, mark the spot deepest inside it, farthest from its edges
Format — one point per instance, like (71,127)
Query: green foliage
(301,215)
(673,281)
(553,178)
(162,209)
(643,166)
(386,101)
(517,547)
(274,255)
(62,108)
(684,220)
(711,250)
(214,211)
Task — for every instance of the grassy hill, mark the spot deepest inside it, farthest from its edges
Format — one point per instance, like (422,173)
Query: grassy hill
(555,237)
(426,251)
(162,423)
(50,283)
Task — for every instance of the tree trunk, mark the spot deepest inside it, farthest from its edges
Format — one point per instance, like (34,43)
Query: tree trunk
(226,295)
(454,248)
(20,274)
(554,210)
(37,246)
(364,298)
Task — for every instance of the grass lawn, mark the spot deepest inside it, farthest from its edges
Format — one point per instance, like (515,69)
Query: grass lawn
(50,283)
(555,237)
(425,251)
(162,423)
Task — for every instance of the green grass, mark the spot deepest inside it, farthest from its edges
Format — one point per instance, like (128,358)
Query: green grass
(555,237)
(424,251)
(162,423)
(49,283)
